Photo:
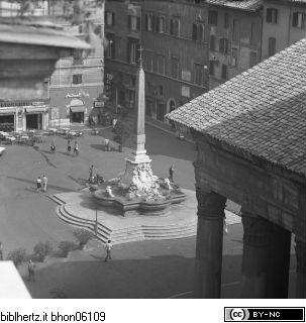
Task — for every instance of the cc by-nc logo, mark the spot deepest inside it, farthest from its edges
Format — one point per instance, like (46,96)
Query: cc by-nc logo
(238,314)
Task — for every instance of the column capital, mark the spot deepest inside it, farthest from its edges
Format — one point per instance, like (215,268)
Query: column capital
(210,204)
(257,230)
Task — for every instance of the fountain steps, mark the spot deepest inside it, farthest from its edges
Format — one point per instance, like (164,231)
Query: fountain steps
(132,233)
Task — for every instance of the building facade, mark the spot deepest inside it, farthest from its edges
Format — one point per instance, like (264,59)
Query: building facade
(234,38)
(173,37)
(284,23)
(77,80)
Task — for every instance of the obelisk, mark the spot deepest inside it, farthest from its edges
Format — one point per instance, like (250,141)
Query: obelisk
(138,171)
(139,152)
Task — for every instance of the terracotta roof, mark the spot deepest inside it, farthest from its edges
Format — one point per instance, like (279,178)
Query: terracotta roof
(39,35)
(249,5)
(261,111)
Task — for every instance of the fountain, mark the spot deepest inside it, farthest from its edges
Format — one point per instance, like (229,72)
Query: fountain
(138,189)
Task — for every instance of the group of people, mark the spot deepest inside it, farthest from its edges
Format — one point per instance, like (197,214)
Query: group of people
(75,148)
(42,183)
(69,147)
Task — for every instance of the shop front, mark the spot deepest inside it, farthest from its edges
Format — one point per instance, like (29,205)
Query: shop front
(7,121)
(77,111)
(35,118)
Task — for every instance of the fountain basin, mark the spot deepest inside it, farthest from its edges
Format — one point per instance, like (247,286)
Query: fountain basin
(138,205)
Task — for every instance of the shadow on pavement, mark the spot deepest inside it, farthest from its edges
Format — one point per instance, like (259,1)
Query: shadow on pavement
(50,186)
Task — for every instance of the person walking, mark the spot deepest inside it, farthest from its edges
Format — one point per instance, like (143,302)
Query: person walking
(108,247)
(38,183)
(91,172)
(1,251)
(44,183)
(69,146)
(171,173)
(31,270)
(106,143)
(76,148)
(52,146)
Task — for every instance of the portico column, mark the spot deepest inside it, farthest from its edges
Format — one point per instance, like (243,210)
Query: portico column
(300,250)
(209,244)
(266,258)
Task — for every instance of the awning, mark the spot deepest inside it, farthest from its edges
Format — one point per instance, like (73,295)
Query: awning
(77,109)
(33,110)
(7,111)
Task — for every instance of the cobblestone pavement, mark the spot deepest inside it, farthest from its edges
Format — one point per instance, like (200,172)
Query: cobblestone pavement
(140,269)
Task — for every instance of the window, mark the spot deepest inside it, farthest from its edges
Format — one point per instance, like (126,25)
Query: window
(161,25)
(226,20)
(78,57)
(271,15)
(253,59)
(235,34)
(298,19)
(133,51)
(175,27)
(109,18)
(223,46)
(212,43)
(149,22)
(111,46)
(198,32)
(161,64)
(212,68)
(77,79)
(134,23)
(198,74)
(234,57)
(253,34)
(224,72)
(213,17)
(271,46)
(161,90)
(175,67)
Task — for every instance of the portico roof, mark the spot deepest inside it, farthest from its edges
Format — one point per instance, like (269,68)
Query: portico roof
(261,111)
(20,33)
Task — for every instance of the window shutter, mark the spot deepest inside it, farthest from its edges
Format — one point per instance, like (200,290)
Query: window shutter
(138,23)
(129,22)
(146,22)
(128,49)
(137,52)
(194,31)
(113,19)
(113,48)
(171,27)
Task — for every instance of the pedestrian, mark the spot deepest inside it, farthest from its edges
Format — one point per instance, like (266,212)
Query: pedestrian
(106,144)
(44,183)
(1,251)
(76,148)
(171,173)
(108,247)
(52,146)
(225,227)
(38,183)
(114,122)
(69,146)
(91,171)
(31,270)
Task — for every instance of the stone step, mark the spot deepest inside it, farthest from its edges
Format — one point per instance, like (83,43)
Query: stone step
(56,199)
(101,226)
(89,225)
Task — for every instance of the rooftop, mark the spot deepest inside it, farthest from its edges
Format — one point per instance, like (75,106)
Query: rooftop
(261,111)
(248,5)
(18,32)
